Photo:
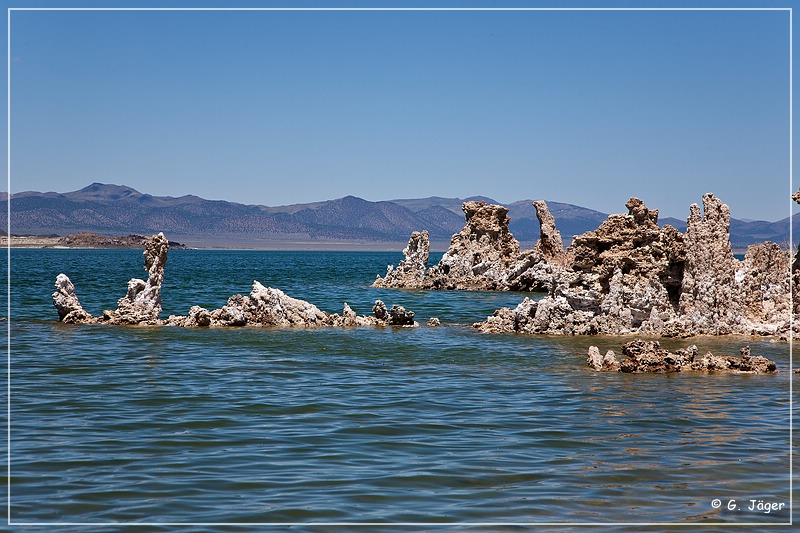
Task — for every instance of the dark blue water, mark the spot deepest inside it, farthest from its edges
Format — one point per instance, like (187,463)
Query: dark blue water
(424,425)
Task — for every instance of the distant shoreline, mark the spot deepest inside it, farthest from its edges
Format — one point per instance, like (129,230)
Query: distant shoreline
(47,242)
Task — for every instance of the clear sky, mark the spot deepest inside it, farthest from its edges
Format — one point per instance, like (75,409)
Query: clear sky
(279,107)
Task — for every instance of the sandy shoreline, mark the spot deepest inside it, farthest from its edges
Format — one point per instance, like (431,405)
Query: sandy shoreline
(34,241)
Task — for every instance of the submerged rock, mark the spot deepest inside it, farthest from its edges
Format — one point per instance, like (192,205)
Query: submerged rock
(649,357)
(598,362)
(396,316)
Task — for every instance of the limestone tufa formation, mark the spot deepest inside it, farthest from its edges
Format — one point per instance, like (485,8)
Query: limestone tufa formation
(708,289)
(550,244)
(796,276)
(627,276)
(66,302)
(142,303)
(622,277)
(649,357)
(265,306)
(269,307)
(480,255)
(410,272)
(630,276)
(483,256)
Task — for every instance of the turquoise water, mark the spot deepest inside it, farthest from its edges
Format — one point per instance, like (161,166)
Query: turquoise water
(431,425)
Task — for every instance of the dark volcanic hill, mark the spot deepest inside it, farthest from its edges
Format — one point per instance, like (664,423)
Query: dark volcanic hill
(120,210)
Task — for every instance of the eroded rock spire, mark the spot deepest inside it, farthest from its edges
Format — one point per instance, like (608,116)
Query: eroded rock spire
(708,290)
(410,272)
(142,303)
(66,302)
(480,255)
(550,244)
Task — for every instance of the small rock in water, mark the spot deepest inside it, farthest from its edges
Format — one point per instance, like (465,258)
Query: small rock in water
(649,357)
(67,304)
(605,363)
(398,316)
(379,310)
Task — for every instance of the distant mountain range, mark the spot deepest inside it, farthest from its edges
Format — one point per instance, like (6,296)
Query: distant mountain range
(120,210)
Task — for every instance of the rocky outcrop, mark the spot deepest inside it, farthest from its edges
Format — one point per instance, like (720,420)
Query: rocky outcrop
(536,270)
(628,276)
(93,240)
(396,316)
(67,304)
(270,307)
(708,289)
(722,295)
(550,245)
(796,274)
(480,255)
(142,303)
(263,307)
(625,276)
(410,272)
(631,276)
(763,296)
(648,357)
(483,256)
(266,306)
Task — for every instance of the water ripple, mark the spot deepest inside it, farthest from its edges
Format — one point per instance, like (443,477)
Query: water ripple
(373,424)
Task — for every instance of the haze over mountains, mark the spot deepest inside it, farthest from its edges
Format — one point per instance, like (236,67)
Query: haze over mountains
(119,210)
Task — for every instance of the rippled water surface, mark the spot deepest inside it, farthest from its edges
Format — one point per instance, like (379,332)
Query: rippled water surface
(124,424)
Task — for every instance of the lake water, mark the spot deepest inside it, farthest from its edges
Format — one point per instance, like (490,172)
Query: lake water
(443,425)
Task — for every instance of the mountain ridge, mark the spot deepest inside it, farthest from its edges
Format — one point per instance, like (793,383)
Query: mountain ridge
(120,209)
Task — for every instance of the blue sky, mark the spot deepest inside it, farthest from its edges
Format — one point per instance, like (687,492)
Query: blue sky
(279,107)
